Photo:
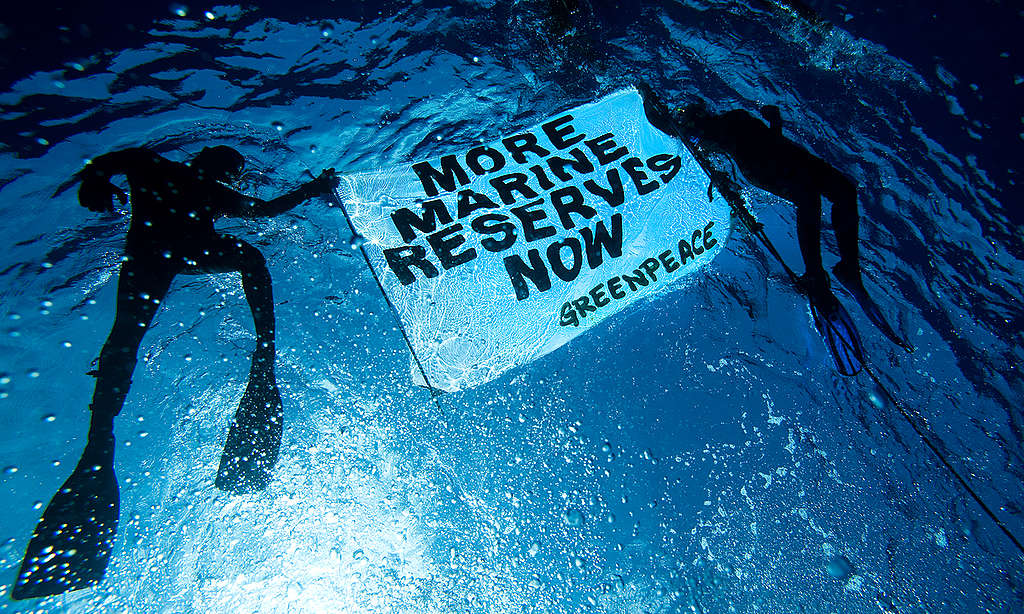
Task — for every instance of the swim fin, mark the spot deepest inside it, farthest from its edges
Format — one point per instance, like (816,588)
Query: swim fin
(839,334)
(867,304)
(254,439)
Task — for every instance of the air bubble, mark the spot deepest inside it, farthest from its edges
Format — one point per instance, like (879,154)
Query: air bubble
(168,254)
(33,374)
(573,518)
(179,9)
(277,126)
(326,30)
(4,379)
(357,241)
(49,418)
(209,15)
(839,567)
(10,470)
(312,149)
(606,447)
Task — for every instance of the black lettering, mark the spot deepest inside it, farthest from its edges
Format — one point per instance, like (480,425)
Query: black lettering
(536,272)
(598,241)
(569,316)
(578,162)
(527,217)
(615,195)
(483,225)
(444,241)
(685,253)
(650,266)
(399,259)
(470,201)
(632,167)
(605,149)
(583,306)
(671,165)
(473,160)
(450,171)
(597,293)
(542,177)
(557,131)
(555,258)
(405,220)
(697,250)
(707,235)
(615,288)
(513,182)
(668,261)
(638,280)
(520,143)
(570,200)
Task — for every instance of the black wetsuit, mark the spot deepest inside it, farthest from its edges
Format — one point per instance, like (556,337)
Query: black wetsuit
(172,232)
(776,164)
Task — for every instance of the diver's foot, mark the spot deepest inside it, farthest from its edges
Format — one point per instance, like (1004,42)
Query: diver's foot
(254,439)
(854,284)
(818,290)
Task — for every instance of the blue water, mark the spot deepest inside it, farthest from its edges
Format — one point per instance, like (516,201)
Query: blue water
(695,454)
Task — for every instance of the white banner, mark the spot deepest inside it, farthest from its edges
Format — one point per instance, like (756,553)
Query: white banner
(500,254)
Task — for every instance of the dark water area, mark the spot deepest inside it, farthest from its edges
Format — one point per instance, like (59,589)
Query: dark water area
(978,43)
(695,453)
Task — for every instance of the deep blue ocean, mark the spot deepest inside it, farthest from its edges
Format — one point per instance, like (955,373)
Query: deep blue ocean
(696,453)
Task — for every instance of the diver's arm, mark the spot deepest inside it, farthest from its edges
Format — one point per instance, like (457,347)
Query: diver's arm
(248,207)
(96,192)
(115,162)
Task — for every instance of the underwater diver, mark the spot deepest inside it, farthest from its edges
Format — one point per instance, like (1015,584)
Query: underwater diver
(173,209)
(774,163)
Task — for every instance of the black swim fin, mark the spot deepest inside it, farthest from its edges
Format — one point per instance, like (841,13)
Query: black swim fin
(871,310)
(254,439)
(839,334)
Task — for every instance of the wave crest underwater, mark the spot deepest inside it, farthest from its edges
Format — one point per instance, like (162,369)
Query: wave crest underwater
(696,453)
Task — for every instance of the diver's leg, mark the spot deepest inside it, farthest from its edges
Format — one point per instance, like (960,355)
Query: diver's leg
(141,287)
(846,221)
(228,254)
(254,439)
(808,229)
(842,192)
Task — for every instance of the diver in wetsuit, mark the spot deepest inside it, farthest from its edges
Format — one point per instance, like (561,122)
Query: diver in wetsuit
(772,162)
(172,232)
(174,207)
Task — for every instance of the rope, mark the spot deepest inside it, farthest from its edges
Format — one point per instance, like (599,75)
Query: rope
(434,392)
(730,191)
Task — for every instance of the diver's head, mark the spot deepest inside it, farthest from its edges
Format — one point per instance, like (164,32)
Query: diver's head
(220,163)
(692,117)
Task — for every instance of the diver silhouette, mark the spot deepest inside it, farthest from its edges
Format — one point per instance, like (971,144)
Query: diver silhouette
(776,164)
(173,209)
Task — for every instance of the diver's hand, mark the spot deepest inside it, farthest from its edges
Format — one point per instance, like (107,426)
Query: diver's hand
(323,184)
(97,194)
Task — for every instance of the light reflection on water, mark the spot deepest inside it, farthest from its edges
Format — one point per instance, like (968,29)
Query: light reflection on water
(736,466)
